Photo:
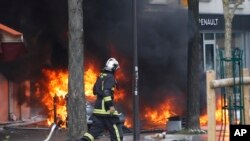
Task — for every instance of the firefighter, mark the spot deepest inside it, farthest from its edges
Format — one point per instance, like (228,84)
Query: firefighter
(104,114)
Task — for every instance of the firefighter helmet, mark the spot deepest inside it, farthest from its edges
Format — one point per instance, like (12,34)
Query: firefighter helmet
(111,65)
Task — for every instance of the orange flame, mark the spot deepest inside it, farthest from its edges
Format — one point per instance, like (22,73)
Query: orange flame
(157,117)
(90,76)
(219,115)
(57,88)
(57,85)
(54,94)
(128,123)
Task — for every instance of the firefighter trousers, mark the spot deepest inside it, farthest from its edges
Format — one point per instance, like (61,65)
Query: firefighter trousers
(100,123)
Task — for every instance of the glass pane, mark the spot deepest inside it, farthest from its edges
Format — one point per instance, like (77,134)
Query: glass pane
(209,36)
(209,56)
(237,40)
(220,40)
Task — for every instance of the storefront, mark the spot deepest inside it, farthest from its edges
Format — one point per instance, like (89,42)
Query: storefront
(212,38)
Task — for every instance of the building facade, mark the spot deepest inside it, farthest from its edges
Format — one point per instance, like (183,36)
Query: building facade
(11,93)
(212,31)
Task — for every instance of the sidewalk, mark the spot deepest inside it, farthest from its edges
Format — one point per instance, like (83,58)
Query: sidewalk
(39,134)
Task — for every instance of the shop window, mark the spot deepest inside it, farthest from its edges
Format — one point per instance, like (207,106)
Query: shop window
(237,40)
(213,41)
(209,56)
(209,36)
(220,40)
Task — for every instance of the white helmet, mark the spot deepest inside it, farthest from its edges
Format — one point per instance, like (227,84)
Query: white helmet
(111,65)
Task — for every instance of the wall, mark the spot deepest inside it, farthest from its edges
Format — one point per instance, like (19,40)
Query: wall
(3,99)
(215,6)
(12,51)
(8,38)
(20,95)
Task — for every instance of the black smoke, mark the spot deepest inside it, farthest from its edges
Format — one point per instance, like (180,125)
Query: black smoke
(162,42)
(44,25)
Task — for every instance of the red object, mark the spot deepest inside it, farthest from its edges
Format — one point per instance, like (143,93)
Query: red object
(11,51)
(9,30)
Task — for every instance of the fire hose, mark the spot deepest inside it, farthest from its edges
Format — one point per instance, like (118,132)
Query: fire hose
(53,129)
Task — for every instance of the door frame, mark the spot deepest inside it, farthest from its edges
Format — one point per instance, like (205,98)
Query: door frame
(205,42)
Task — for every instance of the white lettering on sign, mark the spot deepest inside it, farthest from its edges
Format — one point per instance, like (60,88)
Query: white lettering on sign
(208,21)
(239,132)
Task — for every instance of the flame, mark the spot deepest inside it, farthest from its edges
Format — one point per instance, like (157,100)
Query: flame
(157,117)
(128,123)
(56,88)
(90,76)
(219,115)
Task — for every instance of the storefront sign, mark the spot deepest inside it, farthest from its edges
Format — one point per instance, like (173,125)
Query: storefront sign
(209,21)
(216,22)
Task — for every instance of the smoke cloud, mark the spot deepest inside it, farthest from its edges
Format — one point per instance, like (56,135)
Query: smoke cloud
(162,42)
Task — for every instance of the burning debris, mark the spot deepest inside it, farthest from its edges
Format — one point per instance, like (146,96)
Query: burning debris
(53,92)
(219,114)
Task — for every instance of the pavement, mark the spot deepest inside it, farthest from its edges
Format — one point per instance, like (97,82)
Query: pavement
(14,133)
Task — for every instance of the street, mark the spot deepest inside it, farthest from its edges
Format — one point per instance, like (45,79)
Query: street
(40,134)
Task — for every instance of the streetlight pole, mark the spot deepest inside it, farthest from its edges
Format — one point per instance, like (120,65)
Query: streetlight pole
(136,119)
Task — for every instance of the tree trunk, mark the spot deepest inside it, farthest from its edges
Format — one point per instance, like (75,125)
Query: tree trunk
(194,67)
(228,36)
(76,100)
(229,10)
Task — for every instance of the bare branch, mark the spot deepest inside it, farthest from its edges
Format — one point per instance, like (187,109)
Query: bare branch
(228,13)
(230,7)
(236,5)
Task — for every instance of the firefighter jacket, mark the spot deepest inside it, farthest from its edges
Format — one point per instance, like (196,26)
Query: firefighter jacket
(104,90)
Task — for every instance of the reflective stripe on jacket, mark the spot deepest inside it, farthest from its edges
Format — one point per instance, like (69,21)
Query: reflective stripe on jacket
(105,82)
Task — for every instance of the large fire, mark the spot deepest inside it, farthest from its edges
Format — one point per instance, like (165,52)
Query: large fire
(53,96)
(55,88)
(219,115)
(157,117)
